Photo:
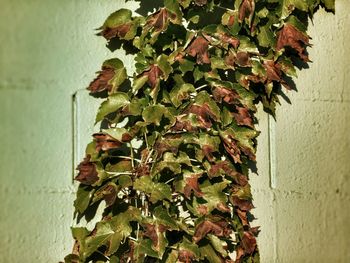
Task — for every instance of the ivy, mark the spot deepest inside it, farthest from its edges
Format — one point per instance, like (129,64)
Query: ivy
(171,161)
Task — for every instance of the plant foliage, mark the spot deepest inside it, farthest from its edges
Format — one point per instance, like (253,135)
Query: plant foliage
(177,138)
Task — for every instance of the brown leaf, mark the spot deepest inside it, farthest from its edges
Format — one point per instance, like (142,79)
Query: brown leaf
(154,74)
(219,229)
(203,114)
(105,142)
(226,38)
(142,170)
(109,195)
(244,205)
(152,232)
(159,21)
(182,124)
(223,208)
(243,117)
(292,37)
(100,83)
(232,148)
(87,172)
(248,242)
(186,256)
(228,169)
(227,95)
(243,59)
(199,48)
(118,31)
(192,185)
(246,10)
(243,216)
(202,209)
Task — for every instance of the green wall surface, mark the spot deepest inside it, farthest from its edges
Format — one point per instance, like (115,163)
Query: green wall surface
(48,55)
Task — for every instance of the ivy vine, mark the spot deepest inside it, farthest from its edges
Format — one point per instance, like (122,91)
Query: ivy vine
(178,137)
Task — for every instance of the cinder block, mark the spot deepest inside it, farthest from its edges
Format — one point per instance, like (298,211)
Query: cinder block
(313,146)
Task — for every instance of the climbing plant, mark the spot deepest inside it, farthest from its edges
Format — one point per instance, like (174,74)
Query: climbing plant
(178,136)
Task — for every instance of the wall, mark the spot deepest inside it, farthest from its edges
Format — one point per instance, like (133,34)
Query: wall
(48,53)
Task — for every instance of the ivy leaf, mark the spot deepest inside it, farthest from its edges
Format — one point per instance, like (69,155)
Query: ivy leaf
(237,140)
(157,191)
(329,4)
(219,228)
(266,36)
(119,24)
(188,251)
(114,102)
(290,36)
(155,113)
(82,201)
(209,253)
(108,193)
(246,10)
(111,232)
(215,197)
(181,93)
(288,6)
(142,248)
(199,48)
(88,174)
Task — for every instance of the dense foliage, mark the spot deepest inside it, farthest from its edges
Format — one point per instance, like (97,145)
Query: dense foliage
(177,138)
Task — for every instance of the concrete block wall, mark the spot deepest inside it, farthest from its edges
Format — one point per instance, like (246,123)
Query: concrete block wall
(48,54)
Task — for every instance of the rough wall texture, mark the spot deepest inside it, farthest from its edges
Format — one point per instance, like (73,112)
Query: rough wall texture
(48,52)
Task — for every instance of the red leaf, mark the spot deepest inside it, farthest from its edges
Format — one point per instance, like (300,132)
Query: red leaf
(292,37)
(199,48)
(226,38)
(192,185)
(100,83)
(227,95)
(248,242)
(118,31)
(152,231)
(203,114)
(244,205)
(159,20)
(87,172)
(232,148)
(186,256)
(227,168)
(153,74)
(243,117)
(220,229)
(246,9)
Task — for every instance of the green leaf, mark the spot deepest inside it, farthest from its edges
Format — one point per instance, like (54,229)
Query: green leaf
(181,93)
(120,74)
(164,65)
(144,247)
(84,195)
(214,194)
(157,191)
(209,253)
(119,17)
(329,4)
(112,104)
(287,7)
(139,83)
(155,113)
(112,232)
(266,37)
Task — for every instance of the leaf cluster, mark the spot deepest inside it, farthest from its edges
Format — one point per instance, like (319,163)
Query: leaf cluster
(178,136)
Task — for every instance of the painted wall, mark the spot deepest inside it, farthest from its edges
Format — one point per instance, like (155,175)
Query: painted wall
(48,53)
